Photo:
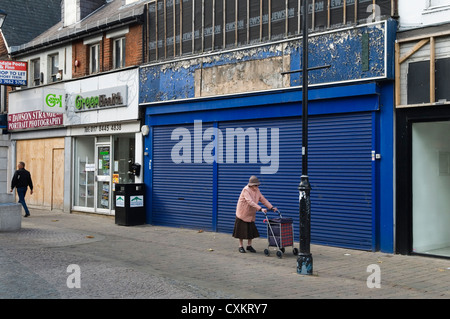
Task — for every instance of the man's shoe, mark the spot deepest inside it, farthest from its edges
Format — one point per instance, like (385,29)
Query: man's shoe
(28,215)
(241,250)
(251,249)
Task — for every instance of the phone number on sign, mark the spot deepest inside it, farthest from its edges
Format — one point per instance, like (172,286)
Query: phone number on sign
(103,128)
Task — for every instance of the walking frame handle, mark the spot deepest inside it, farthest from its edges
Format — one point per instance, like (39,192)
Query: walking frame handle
(265,214)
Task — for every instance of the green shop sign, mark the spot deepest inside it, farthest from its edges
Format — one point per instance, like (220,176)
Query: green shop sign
(53,100)
(105,98)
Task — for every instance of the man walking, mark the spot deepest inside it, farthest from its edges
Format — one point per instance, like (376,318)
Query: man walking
(22,180)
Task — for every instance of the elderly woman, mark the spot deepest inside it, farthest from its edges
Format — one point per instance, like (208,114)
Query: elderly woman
(247,206)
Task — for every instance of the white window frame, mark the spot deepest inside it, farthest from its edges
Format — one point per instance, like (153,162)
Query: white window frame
(32,73)
(94,68)
(53,68)
(121,52)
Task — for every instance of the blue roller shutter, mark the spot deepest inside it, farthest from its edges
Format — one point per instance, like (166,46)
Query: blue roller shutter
(280,188)
(181,193)
(340,171)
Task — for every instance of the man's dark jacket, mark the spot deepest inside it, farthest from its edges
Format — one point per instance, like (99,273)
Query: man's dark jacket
(22,178)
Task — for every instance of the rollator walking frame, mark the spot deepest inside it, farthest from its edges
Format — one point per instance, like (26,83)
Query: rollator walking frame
(280,234)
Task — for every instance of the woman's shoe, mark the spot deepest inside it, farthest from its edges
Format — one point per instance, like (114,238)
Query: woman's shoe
(251,249)
(241,250)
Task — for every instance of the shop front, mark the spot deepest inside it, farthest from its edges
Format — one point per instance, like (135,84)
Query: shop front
(423,180)
(78,138)
(422,142)
(38,140)
(104,127)
(216,120)
(101,160)
(200,160)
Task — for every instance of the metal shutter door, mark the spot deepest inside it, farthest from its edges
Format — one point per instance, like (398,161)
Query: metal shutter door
(181,193)
(340,171)
(280,188)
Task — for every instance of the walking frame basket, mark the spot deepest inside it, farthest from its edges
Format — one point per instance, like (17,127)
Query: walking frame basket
(279,234)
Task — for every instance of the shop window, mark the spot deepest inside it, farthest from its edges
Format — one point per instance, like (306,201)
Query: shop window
(430,188)
(100,163)
(119,53)
(124,150)
(94,57)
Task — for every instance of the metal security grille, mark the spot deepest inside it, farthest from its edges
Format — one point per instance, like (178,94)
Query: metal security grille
(340,173)
(181,193)
(204,195)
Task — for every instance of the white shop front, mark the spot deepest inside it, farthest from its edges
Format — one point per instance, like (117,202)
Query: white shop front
(103,123)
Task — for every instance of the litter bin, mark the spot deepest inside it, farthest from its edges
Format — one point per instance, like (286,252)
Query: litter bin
(130,204)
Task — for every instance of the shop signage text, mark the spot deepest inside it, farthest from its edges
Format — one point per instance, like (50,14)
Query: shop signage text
(13,73)
(33,119)
(103,128)
(114,97)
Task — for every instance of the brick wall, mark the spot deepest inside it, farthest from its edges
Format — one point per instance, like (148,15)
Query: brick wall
(134,46)
(80,55)
(133,52)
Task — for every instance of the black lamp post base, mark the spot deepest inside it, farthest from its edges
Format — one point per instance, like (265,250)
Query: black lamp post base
(304,264)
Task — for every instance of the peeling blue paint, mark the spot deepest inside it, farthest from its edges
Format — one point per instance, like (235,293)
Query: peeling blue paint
(341,49)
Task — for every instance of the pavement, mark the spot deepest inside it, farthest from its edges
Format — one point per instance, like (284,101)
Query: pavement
(58,255)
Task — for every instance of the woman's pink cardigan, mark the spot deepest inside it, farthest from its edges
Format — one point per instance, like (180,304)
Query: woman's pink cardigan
(247,205)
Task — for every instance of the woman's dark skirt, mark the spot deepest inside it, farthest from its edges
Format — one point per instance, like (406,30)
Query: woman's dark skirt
(245,230)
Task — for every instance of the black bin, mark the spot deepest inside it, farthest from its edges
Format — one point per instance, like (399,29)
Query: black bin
(130,201)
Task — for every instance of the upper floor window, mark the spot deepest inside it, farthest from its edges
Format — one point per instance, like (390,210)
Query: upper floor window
(54,67)
(94,57)
(418,78)
(36,72)
(119,53)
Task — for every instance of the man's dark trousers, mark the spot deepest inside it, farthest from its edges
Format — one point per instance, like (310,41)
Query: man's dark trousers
(21,191)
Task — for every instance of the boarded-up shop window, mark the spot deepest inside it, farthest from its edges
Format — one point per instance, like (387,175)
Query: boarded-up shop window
(442,79)
(419,81)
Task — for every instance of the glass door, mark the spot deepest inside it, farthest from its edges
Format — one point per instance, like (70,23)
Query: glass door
(84,171)
(103,183)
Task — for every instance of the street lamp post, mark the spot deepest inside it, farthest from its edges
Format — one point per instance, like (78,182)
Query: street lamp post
(304,259)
